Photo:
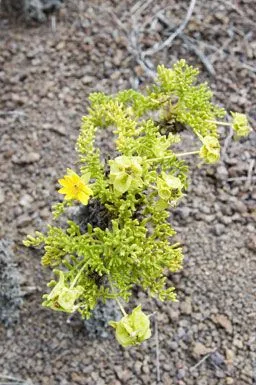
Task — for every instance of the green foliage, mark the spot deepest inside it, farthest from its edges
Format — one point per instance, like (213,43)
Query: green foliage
(137,188)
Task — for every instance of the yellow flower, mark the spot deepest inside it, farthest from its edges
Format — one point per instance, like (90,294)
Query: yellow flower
(74,187)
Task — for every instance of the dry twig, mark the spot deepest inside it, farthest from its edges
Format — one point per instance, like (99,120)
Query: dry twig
(10,380)
(15,113)
(158,376)
(167,43)
(139,7)
(241,178)
(249,175)
(53,23)
(201,361)
(226,143)
(199,53)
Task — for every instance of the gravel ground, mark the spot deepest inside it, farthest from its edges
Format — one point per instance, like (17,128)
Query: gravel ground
(46,74)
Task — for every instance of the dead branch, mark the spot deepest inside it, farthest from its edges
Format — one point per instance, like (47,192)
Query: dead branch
(139,7)
(249,175)
(13,113)
(226,143)
(158,376)
(167,43)
(206,62)
(241,178)
(201,361)
(8,380)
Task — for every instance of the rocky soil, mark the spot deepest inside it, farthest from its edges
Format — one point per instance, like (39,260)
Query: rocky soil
(46,74)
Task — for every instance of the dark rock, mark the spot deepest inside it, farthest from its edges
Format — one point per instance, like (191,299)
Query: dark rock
(217,359)
(183,212)
(97,325)
(31,10)
(10,295)
(173,345)
(94,214)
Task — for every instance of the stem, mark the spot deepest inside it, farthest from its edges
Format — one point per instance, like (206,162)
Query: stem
(217,122)
(117,300)
(187,153)
(121,307)
(171,156)
(77,276)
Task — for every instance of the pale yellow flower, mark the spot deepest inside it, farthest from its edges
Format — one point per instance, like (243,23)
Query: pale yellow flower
(62,297)
(240,124)
(125,173)
(133,328)
(74,187)
(169,187)
(210,151)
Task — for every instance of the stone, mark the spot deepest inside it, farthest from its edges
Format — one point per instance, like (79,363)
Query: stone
(137,367)
(45,213)
(174,314)
(251,242)
(30,157)
(97,325)
(183,212)
(186,307)
(238,205)
(173,345)
(223,321)
(59,130)
(31,10)
(10,293)
(123,374)
(222,173)
(166,379)
(88,79)
(181,373)
(217,358)
(200,350)
(2,196)
(77,378)
(226,220)
(23,220)
(145,379)
(219,229)
(238,343)
(26,200)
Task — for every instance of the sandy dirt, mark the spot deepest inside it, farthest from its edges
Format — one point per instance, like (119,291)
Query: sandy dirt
(46,74)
